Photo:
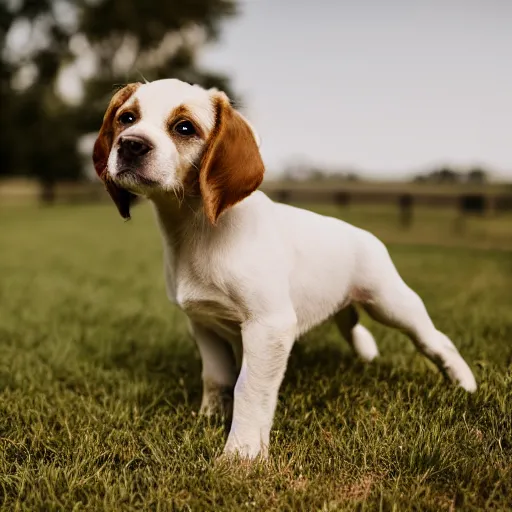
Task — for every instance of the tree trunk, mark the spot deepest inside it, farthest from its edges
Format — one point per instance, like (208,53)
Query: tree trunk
(48,192)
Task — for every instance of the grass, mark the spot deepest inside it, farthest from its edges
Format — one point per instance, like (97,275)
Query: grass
(99,383)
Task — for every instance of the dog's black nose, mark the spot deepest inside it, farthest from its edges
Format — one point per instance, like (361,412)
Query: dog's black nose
(133,146)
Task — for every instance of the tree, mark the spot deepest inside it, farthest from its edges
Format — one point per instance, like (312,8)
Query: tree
(477,176)
(32,111)
(442,175)
(165,45)
(6,115)
(447,175)
(124,40)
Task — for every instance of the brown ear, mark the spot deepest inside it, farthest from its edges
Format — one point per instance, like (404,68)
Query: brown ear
(231,167)
(121,197)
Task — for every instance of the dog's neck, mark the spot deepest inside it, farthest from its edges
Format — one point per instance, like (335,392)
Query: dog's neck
(176,218)
(181,222)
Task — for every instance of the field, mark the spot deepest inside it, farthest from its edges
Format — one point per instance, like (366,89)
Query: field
(100,384)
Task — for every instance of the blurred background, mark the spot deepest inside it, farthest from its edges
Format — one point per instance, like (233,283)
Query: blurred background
(393,115)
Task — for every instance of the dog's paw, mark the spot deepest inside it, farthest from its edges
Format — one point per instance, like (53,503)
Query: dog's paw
(364,343)
(217,402)
(244,451)
(240,460)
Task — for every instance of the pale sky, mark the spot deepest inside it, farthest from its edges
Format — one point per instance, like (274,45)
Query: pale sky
(387,87)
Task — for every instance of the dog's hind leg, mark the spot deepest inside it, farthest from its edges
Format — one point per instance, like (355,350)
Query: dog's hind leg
(357,336)
(391,302)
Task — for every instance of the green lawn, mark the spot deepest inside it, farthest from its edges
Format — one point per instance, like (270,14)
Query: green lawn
(99,383)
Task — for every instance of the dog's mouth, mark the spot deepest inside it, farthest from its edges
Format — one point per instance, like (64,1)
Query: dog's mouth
(132,180)
(125,172)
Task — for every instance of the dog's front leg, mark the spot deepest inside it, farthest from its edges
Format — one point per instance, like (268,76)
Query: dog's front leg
(267,343)
(219,371)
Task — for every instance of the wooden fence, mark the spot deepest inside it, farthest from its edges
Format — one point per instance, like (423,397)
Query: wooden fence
(467,201)
(474,200)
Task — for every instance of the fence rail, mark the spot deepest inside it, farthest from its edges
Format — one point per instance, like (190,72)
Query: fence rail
(485,200)
(471,201)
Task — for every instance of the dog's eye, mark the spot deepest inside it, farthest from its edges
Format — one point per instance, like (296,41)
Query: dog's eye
(184,128)
(127,118)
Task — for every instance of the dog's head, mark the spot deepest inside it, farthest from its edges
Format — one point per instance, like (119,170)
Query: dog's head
(169,137)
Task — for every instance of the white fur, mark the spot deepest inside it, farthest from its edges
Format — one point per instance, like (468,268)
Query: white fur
(264,275)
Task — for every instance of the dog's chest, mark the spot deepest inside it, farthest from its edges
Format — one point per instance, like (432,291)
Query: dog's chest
(204,302)
(199,296)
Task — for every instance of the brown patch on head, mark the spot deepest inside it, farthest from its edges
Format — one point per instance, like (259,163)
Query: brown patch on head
(132,108)
(189,176)
(109,130)
(231,166)
(183,113)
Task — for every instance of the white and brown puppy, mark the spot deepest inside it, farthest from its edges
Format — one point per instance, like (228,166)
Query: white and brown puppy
(251,274)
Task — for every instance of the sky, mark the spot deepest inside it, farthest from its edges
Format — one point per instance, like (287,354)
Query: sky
(386,88)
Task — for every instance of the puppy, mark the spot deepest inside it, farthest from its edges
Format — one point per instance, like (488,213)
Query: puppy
(250,274)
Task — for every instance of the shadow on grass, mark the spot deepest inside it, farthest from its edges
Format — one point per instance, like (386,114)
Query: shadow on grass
(329,361)
(170,372)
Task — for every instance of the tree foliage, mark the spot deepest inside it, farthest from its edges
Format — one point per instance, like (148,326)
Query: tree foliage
(446,175)
(101,44)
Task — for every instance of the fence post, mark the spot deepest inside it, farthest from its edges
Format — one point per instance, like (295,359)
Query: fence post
(47,192)
(282,196)
(469,204)
(405,204)
(342,198)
